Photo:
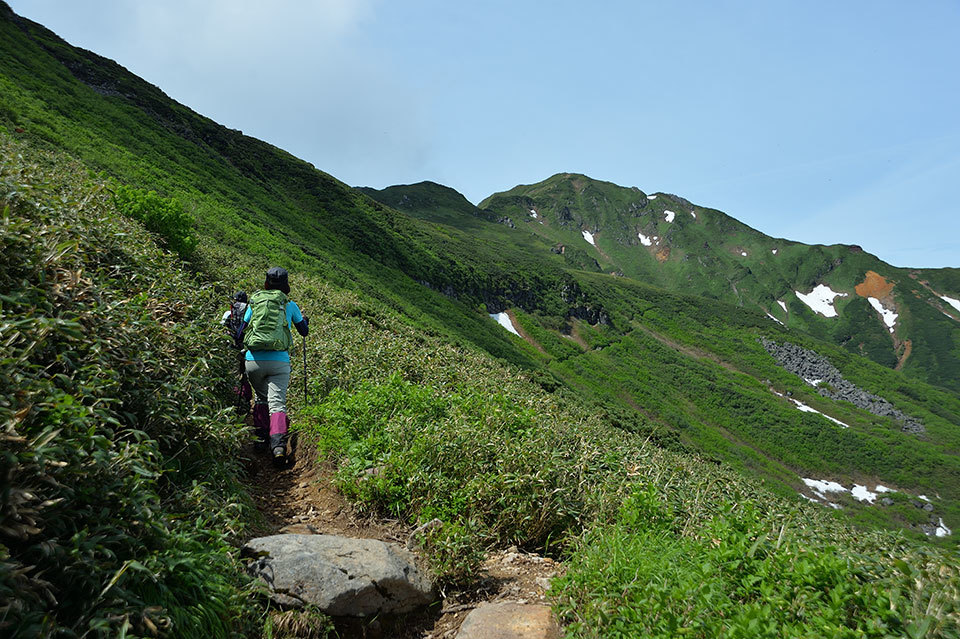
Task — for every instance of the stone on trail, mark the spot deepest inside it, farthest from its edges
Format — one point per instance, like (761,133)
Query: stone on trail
(509,620)
(343,577)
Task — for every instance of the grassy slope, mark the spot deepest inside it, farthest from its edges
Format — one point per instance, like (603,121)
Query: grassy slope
(702,250)
(120,501)
(691,370)
(398,325)
(239,187)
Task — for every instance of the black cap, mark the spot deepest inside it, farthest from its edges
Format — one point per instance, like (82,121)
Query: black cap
(240,296)
(277,280)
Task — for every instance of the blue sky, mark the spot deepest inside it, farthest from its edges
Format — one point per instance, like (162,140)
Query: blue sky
(817,121)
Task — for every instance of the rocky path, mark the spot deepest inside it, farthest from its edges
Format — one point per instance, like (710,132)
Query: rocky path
(301,500)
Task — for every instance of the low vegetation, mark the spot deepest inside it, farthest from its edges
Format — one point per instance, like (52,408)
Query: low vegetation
(119,513)
(638,439)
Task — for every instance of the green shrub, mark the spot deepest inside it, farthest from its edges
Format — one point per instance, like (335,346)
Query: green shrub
(742,575)
(164,216)
(118,513)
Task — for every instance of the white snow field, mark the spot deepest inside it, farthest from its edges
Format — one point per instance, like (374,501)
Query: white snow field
(504,320)
(809,409)
(646,241)
(694,214)
(952,302)
(533,214)
(669,215)
(860,493)
(775,319)
(820,486)
(783,305)
(889,317)
(774,251)
(588,236)
(942,530)
(820,299)
(651,197)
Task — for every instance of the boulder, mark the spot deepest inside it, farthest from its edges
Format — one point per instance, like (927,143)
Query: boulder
(507,620)
(339,575)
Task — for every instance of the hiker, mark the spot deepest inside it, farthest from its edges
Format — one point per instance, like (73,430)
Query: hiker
(266,334)
(231,320)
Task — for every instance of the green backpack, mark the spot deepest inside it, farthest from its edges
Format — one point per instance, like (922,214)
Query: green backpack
(268,329)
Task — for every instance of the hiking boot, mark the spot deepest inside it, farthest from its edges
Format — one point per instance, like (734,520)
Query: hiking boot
(279,457)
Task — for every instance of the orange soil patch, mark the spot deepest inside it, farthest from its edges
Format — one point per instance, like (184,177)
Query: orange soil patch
(663,254)
(907,349)
(874,285)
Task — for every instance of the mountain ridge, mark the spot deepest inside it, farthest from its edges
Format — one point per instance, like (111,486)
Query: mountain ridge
(654,238)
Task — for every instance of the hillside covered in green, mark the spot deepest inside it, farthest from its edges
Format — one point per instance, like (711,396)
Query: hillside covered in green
(630,413)
(667,241)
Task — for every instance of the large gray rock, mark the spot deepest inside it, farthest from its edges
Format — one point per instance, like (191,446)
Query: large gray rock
(809,365)
(339,575)
(509,621)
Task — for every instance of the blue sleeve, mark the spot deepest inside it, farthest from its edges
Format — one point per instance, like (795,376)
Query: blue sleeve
(248,314)
(294,316)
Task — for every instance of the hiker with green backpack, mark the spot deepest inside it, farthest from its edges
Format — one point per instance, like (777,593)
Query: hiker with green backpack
(265,331)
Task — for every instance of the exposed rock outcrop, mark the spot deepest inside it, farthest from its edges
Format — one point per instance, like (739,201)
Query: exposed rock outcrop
(810,366)
(343,577)
(507,620)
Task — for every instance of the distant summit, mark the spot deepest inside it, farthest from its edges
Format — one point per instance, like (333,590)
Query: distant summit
(907,322)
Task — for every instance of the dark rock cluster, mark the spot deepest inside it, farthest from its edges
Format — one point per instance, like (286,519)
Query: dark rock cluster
(810,366)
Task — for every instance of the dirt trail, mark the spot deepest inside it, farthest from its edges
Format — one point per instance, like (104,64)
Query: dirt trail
(300,499)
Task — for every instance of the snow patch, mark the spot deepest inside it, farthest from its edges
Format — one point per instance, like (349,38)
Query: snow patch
(669,215)
(646,241)
(694,214)
(503,319)
(883,489)
(923,497)
(952,302)
(812,382)
(775,319)
(820,487)
(820,299)
(774,251)
(942,530)
(651,197)
(889,317)
(860,493)
(533,214)
(783,305)
(809,409)
(743,253)
(588,236)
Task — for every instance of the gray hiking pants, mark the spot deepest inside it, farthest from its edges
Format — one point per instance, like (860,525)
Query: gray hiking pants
(270,381)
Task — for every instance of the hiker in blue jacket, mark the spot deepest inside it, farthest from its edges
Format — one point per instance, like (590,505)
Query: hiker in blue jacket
(266,334)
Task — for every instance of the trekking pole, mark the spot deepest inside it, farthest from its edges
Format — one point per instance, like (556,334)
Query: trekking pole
(304,370)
